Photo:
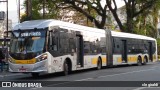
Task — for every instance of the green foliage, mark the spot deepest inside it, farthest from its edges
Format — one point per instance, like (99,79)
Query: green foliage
(158,45)
(35,15)
(141,14)
(145,22)
(51,10)
(90,9)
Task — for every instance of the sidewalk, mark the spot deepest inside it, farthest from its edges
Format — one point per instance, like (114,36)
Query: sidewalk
(5,71)
(2,73)
(5,67)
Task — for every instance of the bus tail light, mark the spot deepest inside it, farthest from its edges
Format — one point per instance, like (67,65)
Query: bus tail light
(41,58)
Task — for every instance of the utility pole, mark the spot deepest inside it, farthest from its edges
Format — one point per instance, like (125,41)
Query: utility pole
(7,16)
(44,1)
(29,9)
(19,11)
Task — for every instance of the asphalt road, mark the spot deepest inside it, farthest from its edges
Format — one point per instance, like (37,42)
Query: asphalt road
(95,79)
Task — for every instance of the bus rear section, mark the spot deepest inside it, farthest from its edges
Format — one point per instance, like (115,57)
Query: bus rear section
(133,49)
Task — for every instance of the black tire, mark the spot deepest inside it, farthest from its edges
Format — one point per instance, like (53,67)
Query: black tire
(35,75)
(139,61)
(65,69)
(99,64)
(145,61)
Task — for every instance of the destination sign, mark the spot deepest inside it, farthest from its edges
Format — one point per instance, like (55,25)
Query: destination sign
(25,34)
(30,33)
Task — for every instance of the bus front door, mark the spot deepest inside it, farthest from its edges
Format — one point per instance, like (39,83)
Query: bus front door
(124,51)
(80,52)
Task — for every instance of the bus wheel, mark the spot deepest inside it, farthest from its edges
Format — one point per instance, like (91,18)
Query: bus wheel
(35,75)
(139,61)
(145,61)
(99,64)
(65,69)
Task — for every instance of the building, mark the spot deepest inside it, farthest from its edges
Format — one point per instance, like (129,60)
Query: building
(3,28)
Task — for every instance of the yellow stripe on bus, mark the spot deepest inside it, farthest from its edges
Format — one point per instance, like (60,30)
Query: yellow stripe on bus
(94,60)
(119,60)
(31,61)
(104,60)
(132,59)
(154,58)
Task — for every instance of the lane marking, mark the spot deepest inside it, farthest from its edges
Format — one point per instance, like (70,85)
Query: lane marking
(13,74)
(1,76)
(84,79)
(155,67)
(141,88)
(99,77)
(115,74)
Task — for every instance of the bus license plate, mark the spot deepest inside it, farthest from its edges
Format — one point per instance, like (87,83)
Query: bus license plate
(22,69)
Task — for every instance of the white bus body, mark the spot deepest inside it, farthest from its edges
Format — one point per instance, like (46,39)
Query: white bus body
(55,46)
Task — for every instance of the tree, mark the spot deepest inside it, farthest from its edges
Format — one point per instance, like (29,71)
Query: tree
(155,14)
(50,7)
(71,15)
(90,8)
(147,21)
(133,8)
(137,12)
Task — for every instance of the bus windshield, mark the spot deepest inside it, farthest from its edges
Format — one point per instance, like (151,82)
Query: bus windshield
(27,44)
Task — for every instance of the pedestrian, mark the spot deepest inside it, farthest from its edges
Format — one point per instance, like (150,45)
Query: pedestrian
(1,59)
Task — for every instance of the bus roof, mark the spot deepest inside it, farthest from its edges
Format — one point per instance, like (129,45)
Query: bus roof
(51,22)
(129,35)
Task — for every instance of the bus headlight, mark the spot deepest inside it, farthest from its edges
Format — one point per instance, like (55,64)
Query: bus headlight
(41,58)
(11,60)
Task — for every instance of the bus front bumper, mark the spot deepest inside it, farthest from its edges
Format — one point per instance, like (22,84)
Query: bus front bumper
(28,68)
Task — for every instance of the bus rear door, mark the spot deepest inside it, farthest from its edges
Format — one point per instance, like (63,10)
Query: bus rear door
(124,51)
(80,51)
(150,51)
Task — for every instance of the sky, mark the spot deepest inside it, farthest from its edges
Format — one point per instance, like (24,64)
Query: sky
(12,8)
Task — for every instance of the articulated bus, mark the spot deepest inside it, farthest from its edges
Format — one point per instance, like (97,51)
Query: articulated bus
(50,46)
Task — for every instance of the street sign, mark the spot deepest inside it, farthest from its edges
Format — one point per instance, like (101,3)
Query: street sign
(2,15)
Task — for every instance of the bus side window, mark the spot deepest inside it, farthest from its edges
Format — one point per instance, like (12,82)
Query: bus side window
(50,40)
(71,45)
(53,41)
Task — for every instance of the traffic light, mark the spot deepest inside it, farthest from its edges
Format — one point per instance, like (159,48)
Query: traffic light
(2,15)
